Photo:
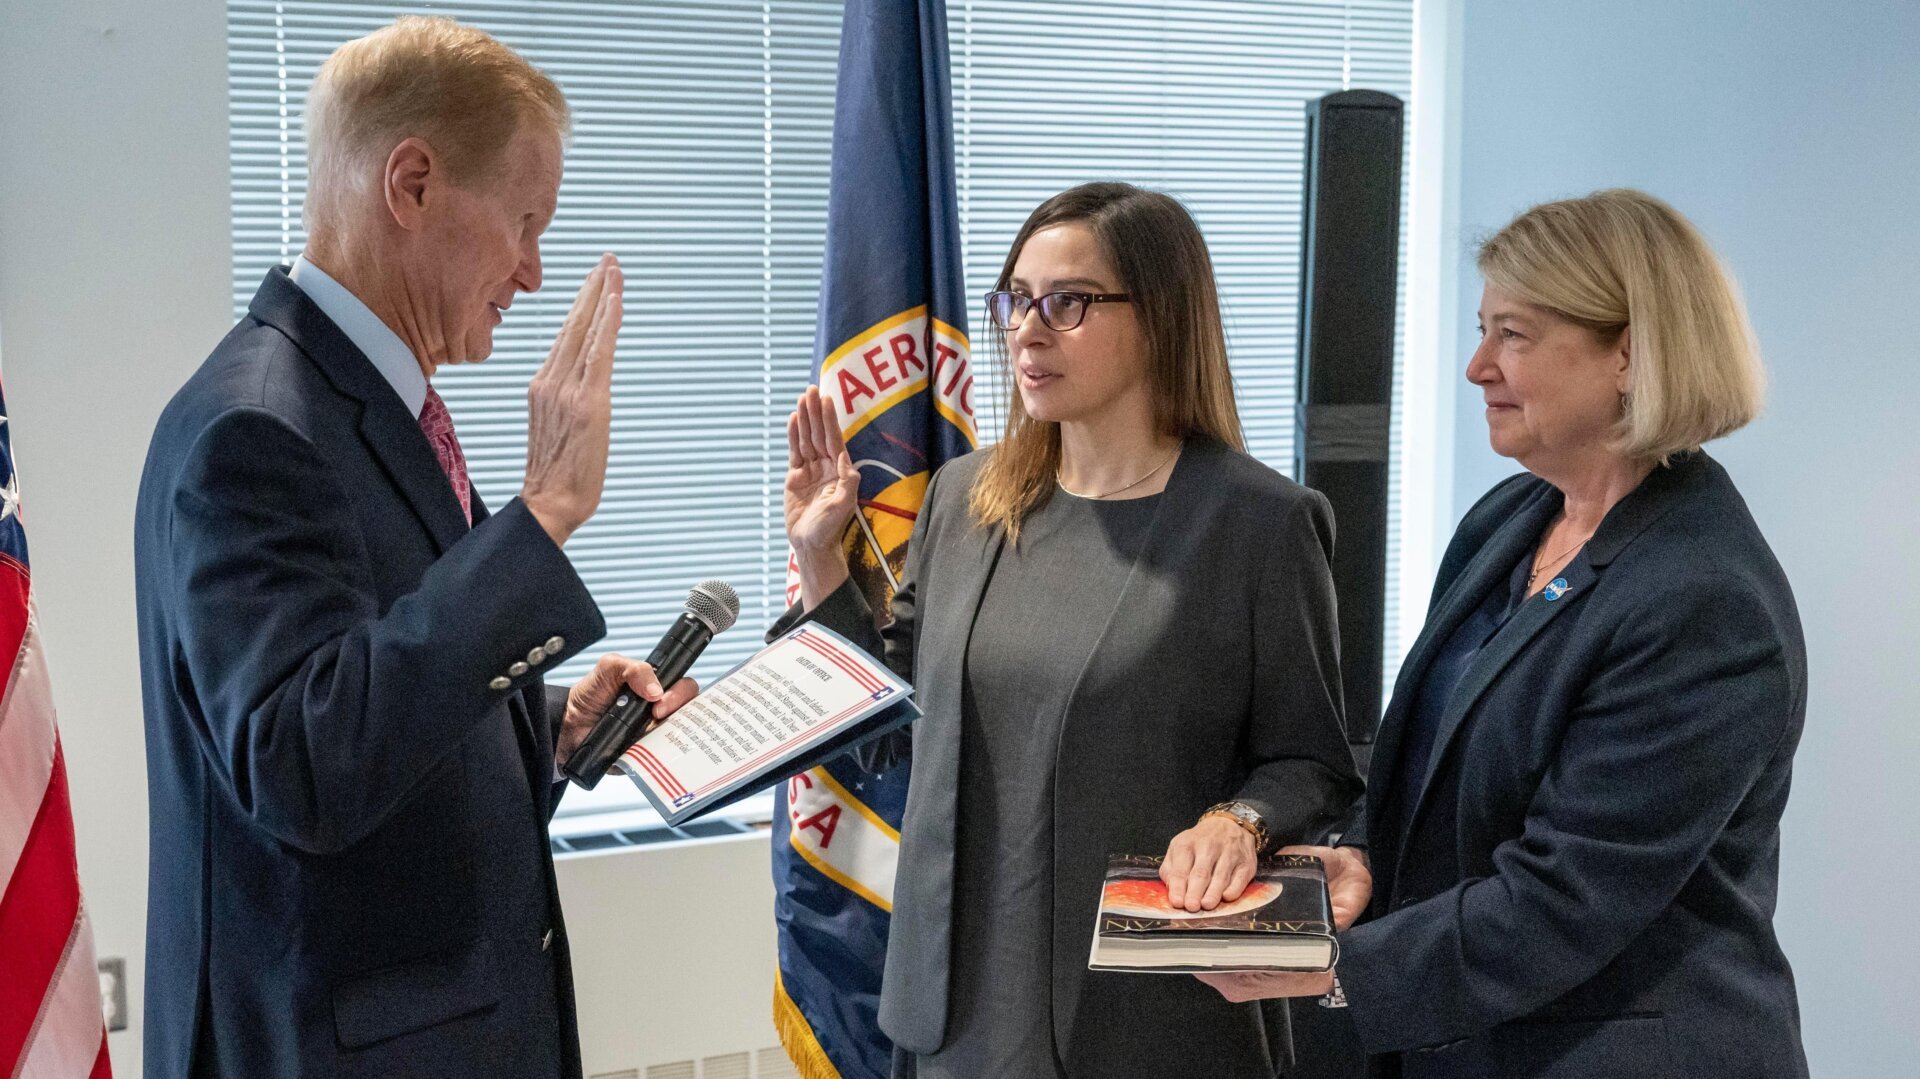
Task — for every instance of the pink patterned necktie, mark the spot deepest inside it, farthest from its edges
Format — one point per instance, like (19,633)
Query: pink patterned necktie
(437,423)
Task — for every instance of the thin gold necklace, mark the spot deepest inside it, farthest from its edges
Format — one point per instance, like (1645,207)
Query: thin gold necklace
(1118,490)
(1568,553)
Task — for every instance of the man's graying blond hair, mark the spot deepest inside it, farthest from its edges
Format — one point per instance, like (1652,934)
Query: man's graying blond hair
(456,87)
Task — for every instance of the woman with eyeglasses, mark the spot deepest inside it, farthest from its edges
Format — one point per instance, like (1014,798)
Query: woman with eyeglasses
(1121,630)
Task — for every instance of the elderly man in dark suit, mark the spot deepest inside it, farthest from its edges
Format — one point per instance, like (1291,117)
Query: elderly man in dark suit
(351,751)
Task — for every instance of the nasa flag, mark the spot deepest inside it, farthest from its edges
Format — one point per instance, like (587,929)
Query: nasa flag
(891,353)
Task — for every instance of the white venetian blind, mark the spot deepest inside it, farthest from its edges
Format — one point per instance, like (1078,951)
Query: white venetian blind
(1206,101)
(702,133)
(700,156)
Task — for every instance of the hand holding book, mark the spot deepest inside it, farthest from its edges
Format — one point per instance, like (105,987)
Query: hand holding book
(1349,880)
(1349,889)
(1240,986)
(1281,923)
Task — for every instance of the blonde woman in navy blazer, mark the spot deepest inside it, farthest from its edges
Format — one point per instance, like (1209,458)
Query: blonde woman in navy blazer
(1571,835)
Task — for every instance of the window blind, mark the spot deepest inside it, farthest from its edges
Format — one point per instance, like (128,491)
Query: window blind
(1206,101)
(702,138)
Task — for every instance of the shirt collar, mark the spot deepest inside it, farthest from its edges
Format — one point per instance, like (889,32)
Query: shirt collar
(390,355)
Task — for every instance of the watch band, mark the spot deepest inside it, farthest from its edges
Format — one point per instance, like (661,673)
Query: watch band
(1246,817)
(1335,997)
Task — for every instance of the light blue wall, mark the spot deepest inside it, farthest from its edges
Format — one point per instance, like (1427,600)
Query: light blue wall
(1790,133)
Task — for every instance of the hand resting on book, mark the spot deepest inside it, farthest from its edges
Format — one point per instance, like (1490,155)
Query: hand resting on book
(1209,863)
(1349,889)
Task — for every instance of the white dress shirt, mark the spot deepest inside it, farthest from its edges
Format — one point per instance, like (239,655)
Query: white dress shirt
(390,355)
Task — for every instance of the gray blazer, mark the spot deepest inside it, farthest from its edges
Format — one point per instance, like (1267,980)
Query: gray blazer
(1217,677)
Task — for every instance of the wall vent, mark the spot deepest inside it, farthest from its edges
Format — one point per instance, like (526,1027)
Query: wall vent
(730,1066)
(643,837)
(769,1063)
(773,1064)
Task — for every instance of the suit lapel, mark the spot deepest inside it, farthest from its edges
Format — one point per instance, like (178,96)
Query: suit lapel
(1526,623)
(394,436)
(968,554)
(979,551)
(1488,569)
(409,461)
(402,451)
(1657,494)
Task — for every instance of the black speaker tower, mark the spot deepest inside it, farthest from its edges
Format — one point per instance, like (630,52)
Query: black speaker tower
(1349,254)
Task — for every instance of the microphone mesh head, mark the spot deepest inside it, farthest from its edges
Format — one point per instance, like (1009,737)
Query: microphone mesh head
(715,603)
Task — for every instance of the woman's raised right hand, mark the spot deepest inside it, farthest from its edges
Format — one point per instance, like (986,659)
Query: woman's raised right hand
(823,488)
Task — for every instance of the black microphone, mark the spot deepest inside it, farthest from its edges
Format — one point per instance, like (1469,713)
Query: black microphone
(712,606)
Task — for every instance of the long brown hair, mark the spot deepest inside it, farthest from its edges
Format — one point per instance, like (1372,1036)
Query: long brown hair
(1154,245)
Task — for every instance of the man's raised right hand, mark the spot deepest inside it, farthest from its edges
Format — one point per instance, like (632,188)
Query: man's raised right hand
(570,409)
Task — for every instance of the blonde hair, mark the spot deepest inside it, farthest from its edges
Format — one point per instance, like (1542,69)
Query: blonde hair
(454,86)
(1156,248)
(1623,262)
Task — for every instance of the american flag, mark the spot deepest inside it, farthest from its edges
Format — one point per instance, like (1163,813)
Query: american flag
(51,1026)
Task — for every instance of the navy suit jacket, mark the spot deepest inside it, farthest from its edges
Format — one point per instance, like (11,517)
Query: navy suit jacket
(350,778)
(1586,882)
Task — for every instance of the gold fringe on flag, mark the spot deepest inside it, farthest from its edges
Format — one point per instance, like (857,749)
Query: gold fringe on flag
(797,1038)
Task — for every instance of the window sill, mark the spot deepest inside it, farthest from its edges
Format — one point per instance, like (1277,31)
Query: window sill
(590,822)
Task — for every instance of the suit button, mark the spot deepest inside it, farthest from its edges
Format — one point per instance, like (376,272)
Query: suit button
(537,656)
(500,682)
(517,669)
(555,644)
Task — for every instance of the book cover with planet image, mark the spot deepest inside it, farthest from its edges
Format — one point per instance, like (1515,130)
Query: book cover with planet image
(1282,921)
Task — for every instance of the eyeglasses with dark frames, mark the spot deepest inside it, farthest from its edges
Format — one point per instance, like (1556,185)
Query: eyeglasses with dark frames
(1061,311)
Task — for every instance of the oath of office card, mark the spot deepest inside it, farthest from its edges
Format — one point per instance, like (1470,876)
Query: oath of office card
(796,693)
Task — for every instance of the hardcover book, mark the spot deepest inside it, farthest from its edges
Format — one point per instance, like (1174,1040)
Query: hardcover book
(1283,921)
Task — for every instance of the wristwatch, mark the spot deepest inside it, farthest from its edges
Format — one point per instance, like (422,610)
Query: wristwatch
(1246,817)
(1335,997)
